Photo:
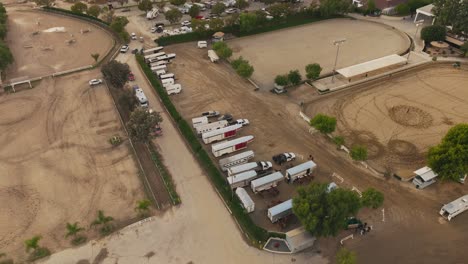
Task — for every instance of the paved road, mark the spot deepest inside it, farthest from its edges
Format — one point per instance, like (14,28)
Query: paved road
(200,230)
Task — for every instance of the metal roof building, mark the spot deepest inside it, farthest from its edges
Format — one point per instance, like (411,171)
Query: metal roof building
(362,69)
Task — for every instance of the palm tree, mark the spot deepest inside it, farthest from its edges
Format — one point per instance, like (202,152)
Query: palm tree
(32,243)
(143,206)
(101,219)
(73,229)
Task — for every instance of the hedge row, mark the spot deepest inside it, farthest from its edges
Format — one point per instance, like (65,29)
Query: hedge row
(256,234)
(75,14)
(165,174)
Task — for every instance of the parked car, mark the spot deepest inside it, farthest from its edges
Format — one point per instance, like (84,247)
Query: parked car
(284,157)
(95,82)
(202,44)
(210,113)
(131,77)
(226,117)
(278,90)
(243,122)
(124,49)
(231,10)
(134,36)
(186,23)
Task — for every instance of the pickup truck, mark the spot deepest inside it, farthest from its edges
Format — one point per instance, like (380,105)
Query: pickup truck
(284,157)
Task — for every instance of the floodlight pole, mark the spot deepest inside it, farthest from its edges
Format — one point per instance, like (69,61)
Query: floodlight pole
(418,23)
(337,43)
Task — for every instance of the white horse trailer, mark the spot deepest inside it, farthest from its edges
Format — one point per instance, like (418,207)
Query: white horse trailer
(237,159)
(266,182)
(246,202)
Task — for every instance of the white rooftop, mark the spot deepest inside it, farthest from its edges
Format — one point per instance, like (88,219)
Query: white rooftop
(372,65)
(426,173)
(456,205)
(426,10)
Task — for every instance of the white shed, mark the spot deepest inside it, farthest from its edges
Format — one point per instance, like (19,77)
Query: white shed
(244,197)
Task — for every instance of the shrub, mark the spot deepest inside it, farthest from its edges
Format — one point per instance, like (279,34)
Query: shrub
(282,80)
(79,8)
(79,240)
(323,123)
(358,152)
(115,140)
(294,77)
(313,71)
(402,9)
(372,198)
(235,63)
(245,70)
(338,140)
(433,33)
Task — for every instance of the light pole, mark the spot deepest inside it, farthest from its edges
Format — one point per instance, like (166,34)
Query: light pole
(417,23)
(337,43)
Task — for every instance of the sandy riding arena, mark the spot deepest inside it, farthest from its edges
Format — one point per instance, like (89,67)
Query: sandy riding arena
(399,119)
(57,164)
(280,51)
(42,43)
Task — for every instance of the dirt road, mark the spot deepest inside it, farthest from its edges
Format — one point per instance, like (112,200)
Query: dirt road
(200,230)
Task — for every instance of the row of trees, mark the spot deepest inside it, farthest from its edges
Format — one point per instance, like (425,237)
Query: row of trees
(294,77)
(324,213)
(81,8)
(6,58)
(241,65)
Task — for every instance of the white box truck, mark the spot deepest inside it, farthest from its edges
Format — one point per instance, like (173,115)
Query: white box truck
(266,182)
(260,167)
(141,97)
(246,202)
(219,134)
(152,50)
(199,121)
(279,211)
(425,176)
(237,159)
(230,146)
(211,126)
(213,56)
(242,179)
(299,171)
(452,209)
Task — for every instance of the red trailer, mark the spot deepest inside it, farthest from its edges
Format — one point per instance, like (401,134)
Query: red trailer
(219,134)
(230,146)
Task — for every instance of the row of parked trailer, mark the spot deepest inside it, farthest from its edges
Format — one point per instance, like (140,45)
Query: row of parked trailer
(158,61)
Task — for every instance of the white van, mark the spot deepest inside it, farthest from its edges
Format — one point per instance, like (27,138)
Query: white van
(167,82)
(174,89)
(167,76)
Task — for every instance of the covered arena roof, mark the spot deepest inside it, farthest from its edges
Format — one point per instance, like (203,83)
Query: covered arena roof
(372,65)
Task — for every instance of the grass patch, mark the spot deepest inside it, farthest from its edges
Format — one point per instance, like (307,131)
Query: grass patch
(256,234)
(39,253)
(165,174)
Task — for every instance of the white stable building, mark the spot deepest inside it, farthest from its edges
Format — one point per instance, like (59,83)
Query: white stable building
(426,11)
(364,69)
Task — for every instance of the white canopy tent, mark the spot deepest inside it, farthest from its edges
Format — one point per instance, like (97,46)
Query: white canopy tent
(425,10)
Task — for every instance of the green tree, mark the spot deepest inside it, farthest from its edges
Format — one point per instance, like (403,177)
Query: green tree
(105,223)
(94,11)
(194,11)
(323,123)
(237,62)
(403,9)
(224,53)
(323,213)
(37,251)
(338,140)
(143,207)
(6,58)
(73,229)
(358,152)
(242,4)
(294,77)
(3,18)
(313,71)
(282,80)
(245,70)
(345,256)
(177,2)
(145,5)
(2,9)
(218,8)
(446,11)
(118,24)
(108,15)
(219,45)
(216,24)
(142,123)
(173,15)
(415,4)
(3,31)
(199,25)
(449,159)
(116,73)
(371,6)
(79,8)
(248,22)
(279,10)
(127,100)
(334,7)
(44,2)
(433,33)
(372,198)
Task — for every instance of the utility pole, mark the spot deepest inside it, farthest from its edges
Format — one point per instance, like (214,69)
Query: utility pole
(337,43)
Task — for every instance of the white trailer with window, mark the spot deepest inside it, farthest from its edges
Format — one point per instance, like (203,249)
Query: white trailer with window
(266,182)
(454,208)
(242,179)
(245,199)
(230,146)
(279,211)
(152,50)
(199,121)
(211,126)
(425,176)
(259,167)
(301,170)
(150,57)
(237,159)
(219,134)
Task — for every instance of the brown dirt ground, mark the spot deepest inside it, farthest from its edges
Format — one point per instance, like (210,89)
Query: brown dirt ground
(57,164)
(38,60)
(294,48)
(412,227)
(399,120)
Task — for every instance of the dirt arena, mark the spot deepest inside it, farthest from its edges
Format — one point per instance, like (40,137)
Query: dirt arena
(38,52)
(294,48)
(57,164)
(399,119)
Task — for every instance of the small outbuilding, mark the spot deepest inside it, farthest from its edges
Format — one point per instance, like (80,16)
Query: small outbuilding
(218,36)
(367,68)
(299,239)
